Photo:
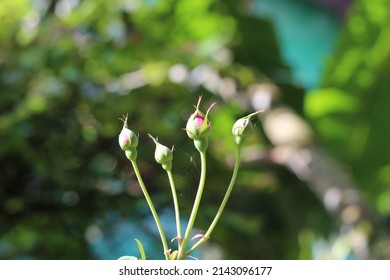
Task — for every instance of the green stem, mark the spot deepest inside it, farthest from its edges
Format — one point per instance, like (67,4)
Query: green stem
(152,209)
(176,205)
(195,207)
(207,235)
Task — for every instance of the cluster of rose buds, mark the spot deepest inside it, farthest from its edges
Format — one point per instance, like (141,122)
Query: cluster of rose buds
(198,129)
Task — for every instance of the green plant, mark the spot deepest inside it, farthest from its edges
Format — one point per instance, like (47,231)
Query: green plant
(198,129)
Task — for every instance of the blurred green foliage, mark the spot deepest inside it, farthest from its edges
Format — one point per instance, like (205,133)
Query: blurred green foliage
(350,109)
(69,69)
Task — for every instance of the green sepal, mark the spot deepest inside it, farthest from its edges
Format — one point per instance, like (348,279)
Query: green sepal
(206,124)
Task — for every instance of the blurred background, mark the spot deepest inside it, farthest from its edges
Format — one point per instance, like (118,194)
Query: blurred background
(315,175)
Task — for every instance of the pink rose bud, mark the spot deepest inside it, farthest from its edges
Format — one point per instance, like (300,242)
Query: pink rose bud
(198,125)
(128,140)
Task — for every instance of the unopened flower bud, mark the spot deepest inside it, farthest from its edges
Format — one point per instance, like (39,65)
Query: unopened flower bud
(163,154)
(128,258)
(242,128)
(198,125)
(128,140)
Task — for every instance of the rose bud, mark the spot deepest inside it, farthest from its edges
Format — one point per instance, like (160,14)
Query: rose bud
(198,125)
(128,258)
(242,128)
(163,154)
(128,140)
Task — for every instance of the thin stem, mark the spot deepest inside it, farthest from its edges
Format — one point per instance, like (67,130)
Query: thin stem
(176,205)
(207,235)
(195,207)
(152,209)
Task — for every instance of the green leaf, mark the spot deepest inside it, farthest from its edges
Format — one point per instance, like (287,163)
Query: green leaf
(141,249)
